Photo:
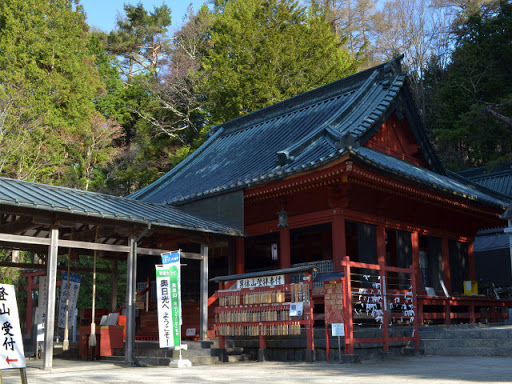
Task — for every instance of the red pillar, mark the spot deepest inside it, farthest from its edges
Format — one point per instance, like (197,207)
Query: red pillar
(446,265)
(339,244)
(415,240)
(381,244)
(30,304)
(471,262)
(239,255)
(284,245)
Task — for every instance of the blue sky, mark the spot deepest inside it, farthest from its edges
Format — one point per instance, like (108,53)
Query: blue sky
(103,13)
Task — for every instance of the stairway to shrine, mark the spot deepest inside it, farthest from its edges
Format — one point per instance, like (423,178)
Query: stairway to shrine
(198,352)
(467,340)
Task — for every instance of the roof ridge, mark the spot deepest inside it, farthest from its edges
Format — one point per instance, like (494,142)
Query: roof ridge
(306,99)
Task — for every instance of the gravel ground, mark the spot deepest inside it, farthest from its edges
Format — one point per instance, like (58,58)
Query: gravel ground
(411,370)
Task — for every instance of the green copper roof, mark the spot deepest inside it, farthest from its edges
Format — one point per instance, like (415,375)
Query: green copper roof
(300,134)
(17,193)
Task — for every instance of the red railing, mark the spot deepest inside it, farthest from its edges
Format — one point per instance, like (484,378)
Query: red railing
(466,308)
(375,296)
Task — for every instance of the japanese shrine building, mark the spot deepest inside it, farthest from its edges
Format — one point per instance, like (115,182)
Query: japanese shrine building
(345,169)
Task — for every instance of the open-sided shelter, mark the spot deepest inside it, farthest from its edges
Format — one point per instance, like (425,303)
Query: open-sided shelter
(55,222)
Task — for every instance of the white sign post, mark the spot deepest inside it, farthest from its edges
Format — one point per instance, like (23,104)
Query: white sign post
(11,341)
(338,329)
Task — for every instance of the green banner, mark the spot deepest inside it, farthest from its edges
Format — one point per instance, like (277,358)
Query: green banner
(169,301)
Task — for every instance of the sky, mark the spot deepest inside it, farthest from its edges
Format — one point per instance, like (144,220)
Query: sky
(103,13)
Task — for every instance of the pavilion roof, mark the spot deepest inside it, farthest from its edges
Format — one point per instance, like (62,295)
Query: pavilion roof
(54,199)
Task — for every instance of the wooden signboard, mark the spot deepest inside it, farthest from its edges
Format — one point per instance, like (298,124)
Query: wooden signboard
(333,301)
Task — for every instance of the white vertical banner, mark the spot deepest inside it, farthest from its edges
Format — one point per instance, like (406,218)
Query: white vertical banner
(40,317)
(169,300)
(74,288)
(11,341)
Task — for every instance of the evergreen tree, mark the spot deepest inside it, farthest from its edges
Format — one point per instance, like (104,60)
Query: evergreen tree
(265,51)
(48,84)
(474,99)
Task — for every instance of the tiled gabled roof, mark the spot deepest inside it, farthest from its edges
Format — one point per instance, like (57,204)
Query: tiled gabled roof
(48,198)
(452,184)
(305,132)
(499,180)
(289,137)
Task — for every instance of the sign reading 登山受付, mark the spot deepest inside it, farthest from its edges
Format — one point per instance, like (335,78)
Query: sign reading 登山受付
(169,300)
(11,342)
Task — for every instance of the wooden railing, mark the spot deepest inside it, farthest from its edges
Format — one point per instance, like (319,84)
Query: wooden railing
(470,309)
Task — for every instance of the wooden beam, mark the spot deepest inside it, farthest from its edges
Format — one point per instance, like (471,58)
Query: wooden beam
(24,239)
(59,268)
(16,227)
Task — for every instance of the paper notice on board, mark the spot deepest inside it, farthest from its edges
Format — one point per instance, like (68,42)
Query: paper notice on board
(338,329)
(296,309)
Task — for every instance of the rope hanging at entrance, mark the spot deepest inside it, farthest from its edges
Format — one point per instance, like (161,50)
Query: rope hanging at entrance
(92,337)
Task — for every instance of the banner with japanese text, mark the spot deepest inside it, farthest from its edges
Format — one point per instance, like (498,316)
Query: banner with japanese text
(169,300)
(74,288)
(11,342)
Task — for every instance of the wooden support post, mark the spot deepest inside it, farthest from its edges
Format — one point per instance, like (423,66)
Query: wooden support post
(471,262)
(115,276)
(339,244)
(148,292)
(51,263)
(419,314)
(203,333)
(446,265)
(385,319)
(262,352)
(472,316)
(349,331)
(447,311)
(310,335)
(130,300)
(30,307)
(239,255)
(381,244)
(327,344)
(415,240)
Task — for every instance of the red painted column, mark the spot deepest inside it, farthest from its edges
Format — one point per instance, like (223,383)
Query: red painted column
(381,244)
(471,262)
(239,255)
(339,244)
(284,248)
(446,265)
(415,240)
(30,304)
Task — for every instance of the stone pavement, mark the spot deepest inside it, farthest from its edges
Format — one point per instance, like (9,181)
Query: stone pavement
(401,370)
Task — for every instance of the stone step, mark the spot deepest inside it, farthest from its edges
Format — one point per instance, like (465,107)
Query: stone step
(486,333)
(466,343)
(456,351)
(205,360)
